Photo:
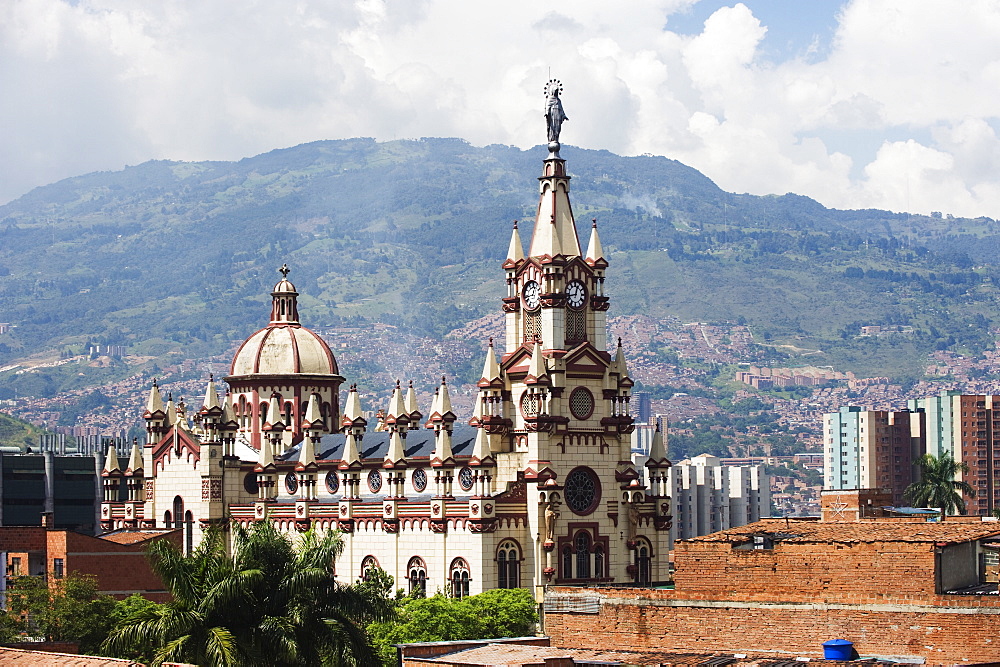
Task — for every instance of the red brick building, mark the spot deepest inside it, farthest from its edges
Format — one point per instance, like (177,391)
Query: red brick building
(895,587)
(117,559)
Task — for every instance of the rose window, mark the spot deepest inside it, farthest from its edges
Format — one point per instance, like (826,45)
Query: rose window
(465,478)
(419,479)
(375,481)
(582,491)
(332,482)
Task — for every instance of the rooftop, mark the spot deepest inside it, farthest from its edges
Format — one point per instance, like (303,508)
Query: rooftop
(19,657)
(805,531)
(127,536)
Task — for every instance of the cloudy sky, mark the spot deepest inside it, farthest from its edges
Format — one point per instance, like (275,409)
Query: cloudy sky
(858,103)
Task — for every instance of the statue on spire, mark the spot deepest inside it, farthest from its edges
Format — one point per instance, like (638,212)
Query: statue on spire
(554,115)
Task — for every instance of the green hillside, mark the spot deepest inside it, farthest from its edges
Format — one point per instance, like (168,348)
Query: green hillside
(17,433)
(176,259)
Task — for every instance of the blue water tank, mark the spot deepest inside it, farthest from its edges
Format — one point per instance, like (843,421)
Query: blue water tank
(838,649)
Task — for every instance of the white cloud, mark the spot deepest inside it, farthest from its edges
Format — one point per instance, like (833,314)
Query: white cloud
(100,83)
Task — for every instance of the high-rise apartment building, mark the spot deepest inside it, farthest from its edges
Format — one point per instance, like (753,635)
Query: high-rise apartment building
(965,426)
(872,449)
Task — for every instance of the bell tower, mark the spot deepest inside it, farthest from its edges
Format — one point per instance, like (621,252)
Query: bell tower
(556,405)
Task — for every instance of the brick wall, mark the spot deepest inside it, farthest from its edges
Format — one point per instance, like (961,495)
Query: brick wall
(806,572)
(648,619)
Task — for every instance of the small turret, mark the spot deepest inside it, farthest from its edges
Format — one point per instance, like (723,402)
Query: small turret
(170,411)
(155,414)
(515,251)
(595,251)
(112,474)
(134,475)
(396,416)
(536,366)
(411,407)
(491,368)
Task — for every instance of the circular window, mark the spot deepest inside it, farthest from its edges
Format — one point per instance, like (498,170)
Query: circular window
(529,405)
(332,481)
(375,481)
(250,483)
(466,478)
(581,403)
(291,483)
(419,479)
(582,490)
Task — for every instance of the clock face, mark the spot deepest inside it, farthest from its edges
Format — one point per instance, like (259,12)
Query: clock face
(576,294)
(532,295)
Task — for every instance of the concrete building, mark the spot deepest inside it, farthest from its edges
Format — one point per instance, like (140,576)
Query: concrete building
(708,496)
(68,487)
(537,488)
(867,449)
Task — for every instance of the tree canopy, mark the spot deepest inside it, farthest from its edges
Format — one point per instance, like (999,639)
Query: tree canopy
(937,486)
(269,603)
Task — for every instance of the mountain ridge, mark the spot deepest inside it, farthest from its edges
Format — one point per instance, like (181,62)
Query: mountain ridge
(174,259)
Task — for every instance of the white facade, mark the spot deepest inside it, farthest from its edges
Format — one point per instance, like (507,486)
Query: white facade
(537,487)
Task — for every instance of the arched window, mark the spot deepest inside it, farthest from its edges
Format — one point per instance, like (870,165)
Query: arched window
(567,562)
(188,532)
(643,552)
(417,576)
(178,512)
(263,414)
(581,544)
(368,565)
(244,416)
(508,565)
(167,519)
(459,576)
(598,561)
(289,412)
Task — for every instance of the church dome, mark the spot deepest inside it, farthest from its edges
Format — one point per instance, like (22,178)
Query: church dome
(284,347)
(284,350)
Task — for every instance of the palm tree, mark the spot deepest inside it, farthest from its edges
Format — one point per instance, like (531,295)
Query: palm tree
(268,604)
(937,486)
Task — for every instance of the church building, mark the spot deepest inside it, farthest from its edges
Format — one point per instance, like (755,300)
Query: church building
(536,487)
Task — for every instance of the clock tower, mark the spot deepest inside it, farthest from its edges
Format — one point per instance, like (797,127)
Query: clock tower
(556,404)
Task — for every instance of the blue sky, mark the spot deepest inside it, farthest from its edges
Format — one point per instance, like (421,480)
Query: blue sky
(795,28)
(861,103)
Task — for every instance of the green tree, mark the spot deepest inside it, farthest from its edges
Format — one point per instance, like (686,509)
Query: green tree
(270,603)
(67,609)
(489,615)
(937,486)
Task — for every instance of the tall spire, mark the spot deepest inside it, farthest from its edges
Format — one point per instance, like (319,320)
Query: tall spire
(284,308)
(154,403)
(211,395)
(619,365)
(594,249)
(555,230)
(515,251)
(657,449)
(491,369)
(135,459)
(111,464)
(536,366)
